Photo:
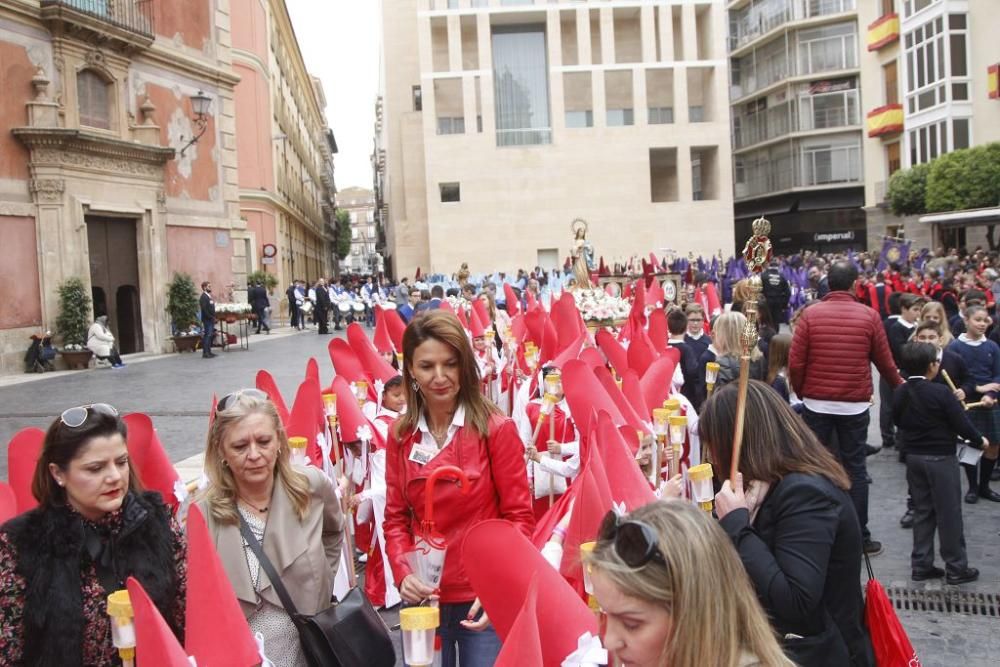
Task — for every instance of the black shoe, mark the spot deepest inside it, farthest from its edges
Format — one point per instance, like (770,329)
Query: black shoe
(963,577)
(933,573)
(907,520)
(886,444)
(872,547)
(995,475)
(869,450)
(989,494)
(208,356)
(972,497)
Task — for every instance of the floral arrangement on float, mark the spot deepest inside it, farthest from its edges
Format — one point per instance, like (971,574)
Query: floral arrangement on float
(599,308)
(232,308)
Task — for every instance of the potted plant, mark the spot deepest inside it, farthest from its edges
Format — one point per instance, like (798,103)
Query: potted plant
(182,306)
(73,322)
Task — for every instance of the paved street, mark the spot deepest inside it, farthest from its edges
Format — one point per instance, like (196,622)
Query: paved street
(176,391)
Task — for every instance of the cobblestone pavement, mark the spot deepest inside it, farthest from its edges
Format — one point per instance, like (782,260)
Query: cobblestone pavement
(176,391)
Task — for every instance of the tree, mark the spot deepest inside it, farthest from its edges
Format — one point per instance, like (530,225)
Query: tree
(269,280)
(182,302)
(965,179)
(908,190)
(343,234)
(74,312)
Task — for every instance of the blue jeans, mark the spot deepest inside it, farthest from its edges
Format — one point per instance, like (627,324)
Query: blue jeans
(852,436)
(206,337)
(473,649)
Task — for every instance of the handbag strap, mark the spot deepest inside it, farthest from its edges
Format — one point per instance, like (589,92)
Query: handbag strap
(265,563)
(868,565)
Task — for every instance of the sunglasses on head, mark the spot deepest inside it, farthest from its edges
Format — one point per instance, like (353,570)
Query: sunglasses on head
(76,417)
(229,400)
(634,541)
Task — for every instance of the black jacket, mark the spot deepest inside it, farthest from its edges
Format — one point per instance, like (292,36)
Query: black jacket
(54,546)
(929,417)
(207,305)
(258,298)
(898,334)
(803,555)
(776,289)
(689,368)
(958,371)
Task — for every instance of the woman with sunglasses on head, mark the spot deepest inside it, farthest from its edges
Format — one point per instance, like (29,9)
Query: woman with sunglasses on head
(93,528)
(672,592)
(293,512)
(793,524)
(449,422)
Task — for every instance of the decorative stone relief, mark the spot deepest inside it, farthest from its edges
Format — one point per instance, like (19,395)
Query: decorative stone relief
(95,162)
(48,190)
(161,201)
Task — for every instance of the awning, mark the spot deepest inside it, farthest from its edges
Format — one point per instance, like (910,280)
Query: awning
(975,216)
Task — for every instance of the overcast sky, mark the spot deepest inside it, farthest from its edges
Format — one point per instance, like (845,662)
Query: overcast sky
(339,40)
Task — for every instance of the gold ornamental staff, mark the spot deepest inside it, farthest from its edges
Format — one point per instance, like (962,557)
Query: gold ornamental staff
(756,253)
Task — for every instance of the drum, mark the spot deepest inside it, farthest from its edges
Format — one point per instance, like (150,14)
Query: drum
(344,307)
(389,305)
(359,307)
(306,307)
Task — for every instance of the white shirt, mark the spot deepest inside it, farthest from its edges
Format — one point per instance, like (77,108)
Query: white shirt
(427,440)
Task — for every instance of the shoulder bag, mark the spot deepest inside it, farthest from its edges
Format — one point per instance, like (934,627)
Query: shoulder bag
(348,634)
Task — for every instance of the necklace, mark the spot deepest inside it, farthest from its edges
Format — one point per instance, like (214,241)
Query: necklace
(259,510)
(439,438)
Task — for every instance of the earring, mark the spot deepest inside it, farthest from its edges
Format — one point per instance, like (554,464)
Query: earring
(61,483)
(225,463)
(416,387)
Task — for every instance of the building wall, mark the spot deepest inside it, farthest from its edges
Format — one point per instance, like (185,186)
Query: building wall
(360,206)
(517,202)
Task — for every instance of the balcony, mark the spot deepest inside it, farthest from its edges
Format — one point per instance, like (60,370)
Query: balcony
(832,111)
(885,121)
(797,167)
(762,17)
(883,32)
(124,25)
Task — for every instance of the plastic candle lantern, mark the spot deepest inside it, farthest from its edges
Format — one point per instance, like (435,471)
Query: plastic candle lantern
(673,405)
(661,417)
(399,360)
(711,375)
(418,625)
(553,383)
(297,444)
(586,549)
(361,391)
(678,429)
(701,485)
(330,404)
(122,626)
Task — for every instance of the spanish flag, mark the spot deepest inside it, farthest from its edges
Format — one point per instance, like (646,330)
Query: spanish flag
(993,81)
(883,32)
(886,119)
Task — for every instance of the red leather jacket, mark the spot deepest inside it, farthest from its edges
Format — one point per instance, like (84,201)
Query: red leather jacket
(835,343)
(498,489)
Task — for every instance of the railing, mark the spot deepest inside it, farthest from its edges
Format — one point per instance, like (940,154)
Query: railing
(132,15)
(763,17)
(803,168)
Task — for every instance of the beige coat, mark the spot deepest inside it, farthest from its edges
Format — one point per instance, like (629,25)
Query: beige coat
(305,553)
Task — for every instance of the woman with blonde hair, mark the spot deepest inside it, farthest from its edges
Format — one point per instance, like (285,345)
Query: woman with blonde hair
(293,512)
(934,312)
(795,528)
(672,592)
(448,422)
(726,349)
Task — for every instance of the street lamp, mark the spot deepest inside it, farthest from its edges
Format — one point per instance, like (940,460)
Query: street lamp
(200,104)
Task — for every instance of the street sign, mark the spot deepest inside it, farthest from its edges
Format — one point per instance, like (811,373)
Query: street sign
(267,260)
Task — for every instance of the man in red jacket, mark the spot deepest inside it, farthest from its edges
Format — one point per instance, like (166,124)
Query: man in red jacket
(835,343)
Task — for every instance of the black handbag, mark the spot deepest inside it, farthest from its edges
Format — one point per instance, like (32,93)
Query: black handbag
(348,634)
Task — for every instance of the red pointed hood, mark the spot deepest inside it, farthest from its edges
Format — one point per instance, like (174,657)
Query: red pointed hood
(593,501)
(625,479)
(155,642)
(592,357)
(655,295)
(712,296)
(476,324)
(584,394)
(22,458)
(8,503)
(633,393)
(307,418)
(149,459)
(523,643)
(375,367)
(572,351)
(530,302)
(382,340)
(512,303)
(266,383)
(567,321)
(312,369)
(212,610)
(345,362)
(349,416)
(628,413)
(641,353)
(613,350)
(657,331)
(655,383)
(637,315)
(463,319)
(501,564)
(396,327)
(483,311)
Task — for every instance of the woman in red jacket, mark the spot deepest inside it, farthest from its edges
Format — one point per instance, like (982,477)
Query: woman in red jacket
(450,423)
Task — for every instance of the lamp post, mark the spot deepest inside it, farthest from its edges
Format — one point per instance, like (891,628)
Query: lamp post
(200,105)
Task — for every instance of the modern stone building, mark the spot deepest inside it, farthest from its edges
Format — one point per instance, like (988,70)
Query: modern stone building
(930,84)
(99,178)
(359,203)
(505,120)
(286,181)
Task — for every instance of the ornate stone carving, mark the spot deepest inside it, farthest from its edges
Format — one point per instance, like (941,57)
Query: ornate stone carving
(161,201)
(40,82)
(95,58)
(48,190)
(95,162)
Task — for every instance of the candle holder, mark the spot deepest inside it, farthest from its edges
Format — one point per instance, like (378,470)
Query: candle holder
(122,626)
(360,389)
(553,383)
(330,404)
(711,375)
(661,429)
(701,485)
(419,625)
(678,434)
(297,446)
(673,405)
(586,549)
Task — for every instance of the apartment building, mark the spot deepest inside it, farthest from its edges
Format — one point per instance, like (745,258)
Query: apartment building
(930,85)
(505,120)
(797,120)
(286,149)
(117,161)
(359,203)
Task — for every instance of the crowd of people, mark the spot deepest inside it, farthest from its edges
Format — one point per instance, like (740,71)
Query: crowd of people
(446,405)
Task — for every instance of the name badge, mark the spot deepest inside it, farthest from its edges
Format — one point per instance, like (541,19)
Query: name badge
(421,455)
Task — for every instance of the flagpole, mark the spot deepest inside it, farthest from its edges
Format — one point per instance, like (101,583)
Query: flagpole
(757,254)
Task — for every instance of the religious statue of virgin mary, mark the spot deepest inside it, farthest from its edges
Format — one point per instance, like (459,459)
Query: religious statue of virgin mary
(582,254)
